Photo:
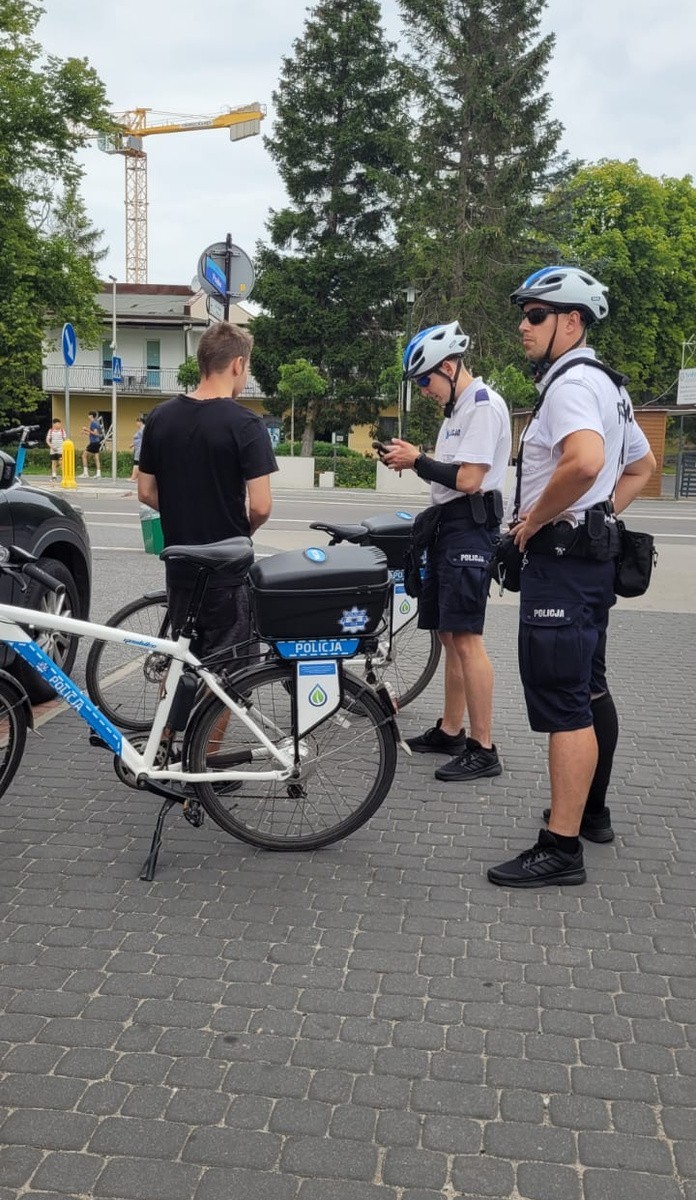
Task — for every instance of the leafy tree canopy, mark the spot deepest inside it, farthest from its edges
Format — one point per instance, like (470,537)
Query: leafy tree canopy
(637,234)
(328,280)
(47,246)
(485,150)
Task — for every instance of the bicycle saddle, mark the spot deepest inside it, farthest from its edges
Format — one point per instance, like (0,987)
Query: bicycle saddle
(232,552)
(342,533)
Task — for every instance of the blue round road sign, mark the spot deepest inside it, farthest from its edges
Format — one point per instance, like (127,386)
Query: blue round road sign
(69,344)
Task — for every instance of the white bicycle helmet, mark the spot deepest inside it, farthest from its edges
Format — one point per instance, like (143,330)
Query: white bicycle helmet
(432,346)
(565,288)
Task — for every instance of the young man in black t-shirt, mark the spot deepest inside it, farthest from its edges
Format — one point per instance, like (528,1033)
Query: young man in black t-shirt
(205,464)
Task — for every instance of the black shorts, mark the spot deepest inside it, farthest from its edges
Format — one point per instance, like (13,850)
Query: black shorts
(224,622)
(56,457)
(456,583)
(564,613)
(93,448)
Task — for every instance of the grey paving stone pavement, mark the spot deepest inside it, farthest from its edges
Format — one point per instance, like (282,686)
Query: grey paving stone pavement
(373,1021)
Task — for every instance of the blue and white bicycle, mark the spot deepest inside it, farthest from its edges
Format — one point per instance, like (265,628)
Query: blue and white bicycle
(291,754)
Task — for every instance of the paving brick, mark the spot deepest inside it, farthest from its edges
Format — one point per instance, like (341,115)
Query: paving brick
(545,1181)
(329,1158)
(246,1185)
(68,1173)
(50,1130)
(627,1185)
(135,1178)
(415,1168)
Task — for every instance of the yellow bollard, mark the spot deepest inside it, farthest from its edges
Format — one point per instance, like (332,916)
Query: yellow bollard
(68,480)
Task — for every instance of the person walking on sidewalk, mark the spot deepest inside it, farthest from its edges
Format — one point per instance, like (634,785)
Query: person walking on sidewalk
(205,466)
(582,459)
(466,476)
(95,433)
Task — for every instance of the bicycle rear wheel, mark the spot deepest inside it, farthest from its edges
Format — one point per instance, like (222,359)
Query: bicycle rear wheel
(123,681)
(13,734)
(347,763)
(415,654)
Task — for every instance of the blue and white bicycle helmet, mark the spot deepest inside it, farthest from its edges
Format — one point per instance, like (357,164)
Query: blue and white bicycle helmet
(565,288)
(432,346)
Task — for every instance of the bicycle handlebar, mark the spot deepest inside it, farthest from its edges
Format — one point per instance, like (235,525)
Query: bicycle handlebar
(15,561)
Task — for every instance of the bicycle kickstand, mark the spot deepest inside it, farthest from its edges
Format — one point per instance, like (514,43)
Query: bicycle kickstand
(147,873)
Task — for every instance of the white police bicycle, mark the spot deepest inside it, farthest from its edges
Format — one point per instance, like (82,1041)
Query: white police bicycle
(292,754)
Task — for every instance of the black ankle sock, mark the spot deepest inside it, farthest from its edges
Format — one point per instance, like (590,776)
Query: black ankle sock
(606,727)
(569,845)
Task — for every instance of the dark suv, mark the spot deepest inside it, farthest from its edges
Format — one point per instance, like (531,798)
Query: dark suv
(49,526)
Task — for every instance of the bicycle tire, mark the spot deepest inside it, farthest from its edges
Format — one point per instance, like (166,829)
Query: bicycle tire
(13,734)
(354,747)
(415,658)
(121,681)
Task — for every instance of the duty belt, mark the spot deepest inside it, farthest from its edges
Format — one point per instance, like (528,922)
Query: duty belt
(483,508)
(597,538)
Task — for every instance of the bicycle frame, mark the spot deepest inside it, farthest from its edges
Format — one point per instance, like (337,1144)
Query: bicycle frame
(141,765)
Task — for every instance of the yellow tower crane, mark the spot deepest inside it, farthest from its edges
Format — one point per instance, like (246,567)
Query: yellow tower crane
(127,139)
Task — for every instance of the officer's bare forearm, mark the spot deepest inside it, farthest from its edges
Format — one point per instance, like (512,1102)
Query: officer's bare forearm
(567,484)
(633,480)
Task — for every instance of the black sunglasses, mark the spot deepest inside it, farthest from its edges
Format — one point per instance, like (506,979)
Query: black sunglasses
(537,316)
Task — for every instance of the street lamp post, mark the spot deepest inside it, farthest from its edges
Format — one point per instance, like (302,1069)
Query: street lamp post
(410,301)
(114,458)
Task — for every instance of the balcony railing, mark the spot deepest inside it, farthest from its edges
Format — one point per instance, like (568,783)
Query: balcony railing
(135,381)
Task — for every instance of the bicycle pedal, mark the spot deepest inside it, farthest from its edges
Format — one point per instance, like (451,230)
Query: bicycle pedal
(194,813)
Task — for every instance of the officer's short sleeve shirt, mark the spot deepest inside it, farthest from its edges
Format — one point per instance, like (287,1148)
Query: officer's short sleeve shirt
(477,432)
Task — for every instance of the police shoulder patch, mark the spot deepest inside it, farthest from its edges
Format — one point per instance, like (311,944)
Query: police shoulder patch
(481,396)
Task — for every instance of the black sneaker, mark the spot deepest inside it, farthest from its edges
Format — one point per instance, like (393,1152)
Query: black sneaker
(474,763)
(545,865)
(434,741)
(595,827)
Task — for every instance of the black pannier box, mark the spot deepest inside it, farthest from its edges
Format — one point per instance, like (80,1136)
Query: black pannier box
(391,534)
(332,591)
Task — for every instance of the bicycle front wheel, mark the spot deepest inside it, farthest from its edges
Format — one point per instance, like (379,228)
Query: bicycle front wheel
(412,662)
(13,734)
(124,682)
(346,764)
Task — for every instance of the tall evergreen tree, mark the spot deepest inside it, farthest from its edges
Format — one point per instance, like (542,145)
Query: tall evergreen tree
(47,248)
(329,281)
(485,152)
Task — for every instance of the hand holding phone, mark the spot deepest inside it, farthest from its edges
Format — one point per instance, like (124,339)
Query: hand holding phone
(381,448)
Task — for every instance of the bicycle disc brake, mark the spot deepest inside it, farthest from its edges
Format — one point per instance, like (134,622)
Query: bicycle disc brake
(155,667)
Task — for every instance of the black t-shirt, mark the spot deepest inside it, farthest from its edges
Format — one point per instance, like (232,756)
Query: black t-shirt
(202,453)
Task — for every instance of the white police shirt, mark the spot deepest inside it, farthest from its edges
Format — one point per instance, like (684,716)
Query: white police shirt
(582,398)
(477,432)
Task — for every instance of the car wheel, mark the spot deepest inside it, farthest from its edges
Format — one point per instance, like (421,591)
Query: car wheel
(61,648)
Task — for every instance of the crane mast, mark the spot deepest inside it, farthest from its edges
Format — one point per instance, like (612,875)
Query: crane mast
(130,128)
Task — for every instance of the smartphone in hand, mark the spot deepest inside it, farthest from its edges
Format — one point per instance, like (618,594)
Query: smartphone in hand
(381,448)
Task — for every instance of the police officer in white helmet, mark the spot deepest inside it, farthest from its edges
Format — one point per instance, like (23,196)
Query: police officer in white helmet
(466,476)
(582,459)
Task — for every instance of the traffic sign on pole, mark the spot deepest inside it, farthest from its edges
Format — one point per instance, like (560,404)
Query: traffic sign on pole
(69,344)
(226,272)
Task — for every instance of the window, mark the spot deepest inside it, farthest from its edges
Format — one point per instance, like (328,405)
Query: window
(152,364)
(107,353)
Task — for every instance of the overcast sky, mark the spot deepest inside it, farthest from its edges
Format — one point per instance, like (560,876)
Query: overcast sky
(622,80)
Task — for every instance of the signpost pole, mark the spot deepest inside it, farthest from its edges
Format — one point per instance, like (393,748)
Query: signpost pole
(114,443)
(67,399)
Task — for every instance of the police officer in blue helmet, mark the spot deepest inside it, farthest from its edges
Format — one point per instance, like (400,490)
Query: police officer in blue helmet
(458,534)
(582,459)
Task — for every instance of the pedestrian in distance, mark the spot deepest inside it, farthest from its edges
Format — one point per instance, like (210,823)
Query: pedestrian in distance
(461,528)
(136,444)
(94,433)
(582,459)
(55,438)
(205,465)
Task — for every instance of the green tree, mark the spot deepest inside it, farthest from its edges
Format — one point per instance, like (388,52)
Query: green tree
(485,150)
(301,387)
(48,250)
(327,282)
(424,420)
(189,374)
(637,234)
(514,386)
